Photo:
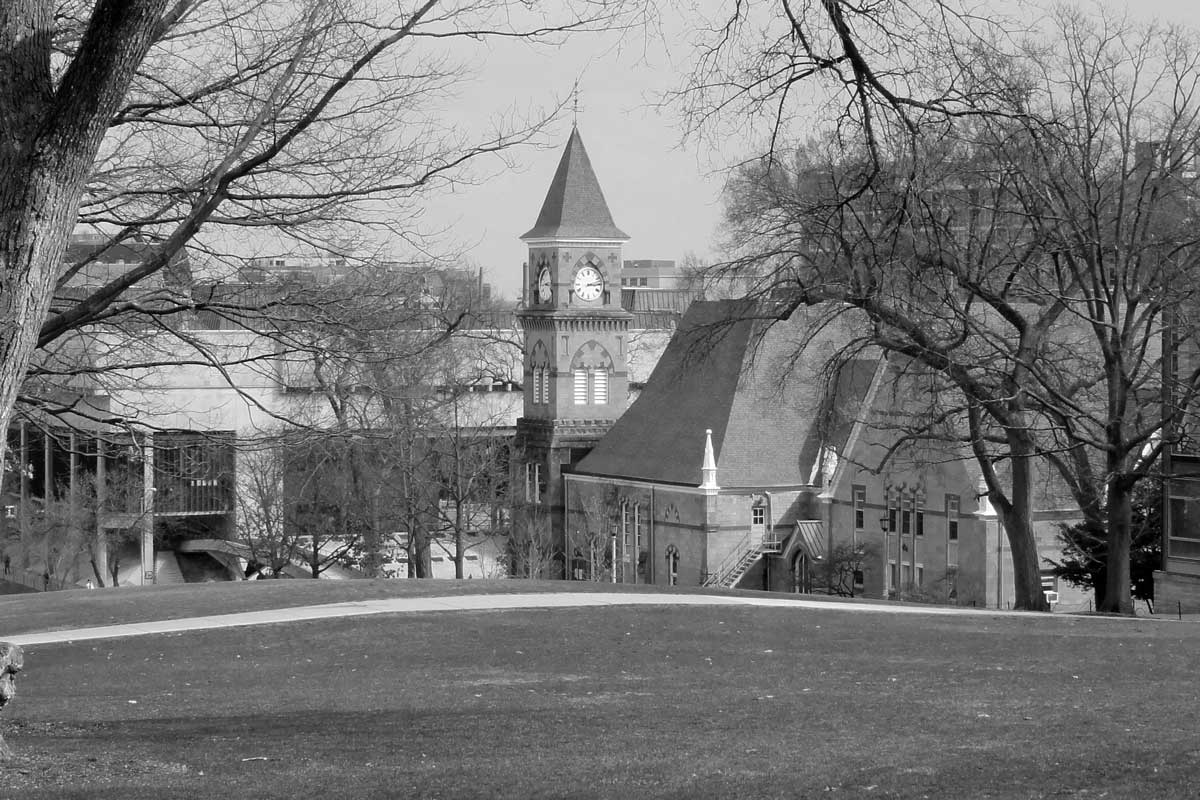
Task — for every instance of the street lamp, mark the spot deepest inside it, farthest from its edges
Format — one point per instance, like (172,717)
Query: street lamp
(885,525)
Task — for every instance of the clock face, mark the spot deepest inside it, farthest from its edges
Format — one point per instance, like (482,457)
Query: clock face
(544,289)
(588,283)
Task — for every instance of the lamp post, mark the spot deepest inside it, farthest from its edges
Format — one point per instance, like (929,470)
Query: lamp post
(885,525)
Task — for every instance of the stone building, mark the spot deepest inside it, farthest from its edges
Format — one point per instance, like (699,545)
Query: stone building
(746,459)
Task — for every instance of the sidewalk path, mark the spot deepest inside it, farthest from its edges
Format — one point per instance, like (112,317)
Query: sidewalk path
(491,602)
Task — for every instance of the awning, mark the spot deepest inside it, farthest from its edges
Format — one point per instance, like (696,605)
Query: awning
(810,535)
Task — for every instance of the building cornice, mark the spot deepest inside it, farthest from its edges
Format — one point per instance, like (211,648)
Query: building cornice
(553,241)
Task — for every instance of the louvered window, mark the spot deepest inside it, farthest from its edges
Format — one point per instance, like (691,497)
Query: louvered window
(600,386)
(581,387)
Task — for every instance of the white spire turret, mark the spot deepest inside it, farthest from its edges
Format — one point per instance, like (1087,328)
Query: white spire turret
(708,469)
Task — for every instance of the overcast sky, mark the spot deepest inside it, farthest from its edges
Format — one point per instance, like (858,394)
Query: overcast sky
(664,196)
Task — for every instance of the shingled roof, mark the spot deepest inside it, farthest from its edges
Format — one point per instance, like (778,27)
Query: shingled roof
(574,207)
(728,370)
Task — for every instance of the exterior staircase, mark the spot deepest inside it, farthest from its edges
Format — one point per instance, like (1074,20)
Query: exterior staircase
(750,549)
(166,568)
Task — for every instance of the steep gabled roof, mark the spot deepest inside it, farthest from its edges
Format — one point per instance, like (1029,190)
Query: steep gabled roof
(728,370)
(574,207)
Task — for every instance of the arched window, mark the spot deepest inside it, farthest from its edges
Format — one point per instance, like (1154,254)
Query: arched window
(591,369)
(539,364)
(672,565)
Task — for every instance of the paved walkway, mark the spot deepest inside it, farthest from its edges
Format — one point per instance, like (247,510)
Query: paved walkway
(490,602)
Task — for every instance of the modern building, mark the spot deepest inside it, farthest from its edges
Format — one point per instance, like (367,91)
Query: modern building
(145,467)
(650,274)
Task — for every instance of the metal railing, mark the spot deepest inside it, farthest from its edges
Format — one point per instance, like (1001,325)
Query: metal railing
(751,547)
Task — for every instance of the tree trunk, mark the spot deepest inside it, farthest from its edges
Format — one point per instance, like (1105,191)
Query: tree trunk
(458,540)
(1027,575)
(1016,512)
(1027,569)
(48,144)
(419,563)
(98,572)
(1117,596)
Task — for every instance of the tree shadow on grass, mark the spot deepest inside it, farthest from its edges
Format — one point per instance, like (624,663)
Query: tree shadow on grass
(289,754)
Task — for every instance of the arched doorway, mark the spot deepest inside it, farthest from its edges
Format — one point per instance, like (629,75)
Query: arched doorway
(801,579)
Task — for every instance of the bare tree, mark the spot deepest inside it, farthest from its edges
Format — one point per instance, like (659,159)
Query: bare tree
(532,552)
(471,469)
(593,524)
(193,122)
(1025,260)
(841,573)
(879,72)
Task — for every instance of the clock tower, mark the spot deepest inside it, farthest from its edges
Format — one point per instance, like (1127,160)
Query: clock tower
(576,335)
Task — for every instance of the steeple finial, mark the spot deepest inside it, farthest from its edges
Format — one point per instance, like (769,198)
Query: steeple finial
(575,107)
(708,470)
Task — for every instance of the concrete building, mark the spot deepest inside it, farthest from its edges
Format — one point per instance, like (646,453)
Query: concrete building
(152,455)
(650,274)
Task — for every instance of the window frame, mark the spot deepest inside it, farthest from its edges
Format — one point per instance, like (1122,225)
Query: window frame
(533,483)
(672,554)
(858,504)
(581,383)
(598,391)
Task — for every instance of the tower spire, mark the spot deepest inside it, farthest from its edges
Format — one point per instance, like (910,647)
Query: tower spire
(708,470)
(575,207)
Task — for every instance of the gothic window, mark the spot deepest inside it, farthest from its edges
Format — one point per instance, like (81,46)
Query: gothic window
(635,539)
(539,362)
(533,483)
(599,386)
(591,370)
(642,532)
(672,565)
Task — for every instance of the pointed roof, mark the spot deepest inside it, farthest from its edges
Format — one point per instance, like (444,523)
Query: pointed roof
(727,369)
(574,207)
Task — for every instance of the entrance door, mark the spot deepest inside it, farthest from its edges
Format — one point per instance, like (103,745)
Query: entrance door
(800,577)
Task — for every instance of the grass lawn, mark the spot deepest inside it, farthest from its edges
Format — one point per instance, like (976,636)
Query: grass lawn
(686,702)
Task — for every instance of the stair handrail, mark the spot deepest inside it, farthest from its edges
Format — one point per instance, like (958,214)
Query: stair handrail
(734,559)
(773,539)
